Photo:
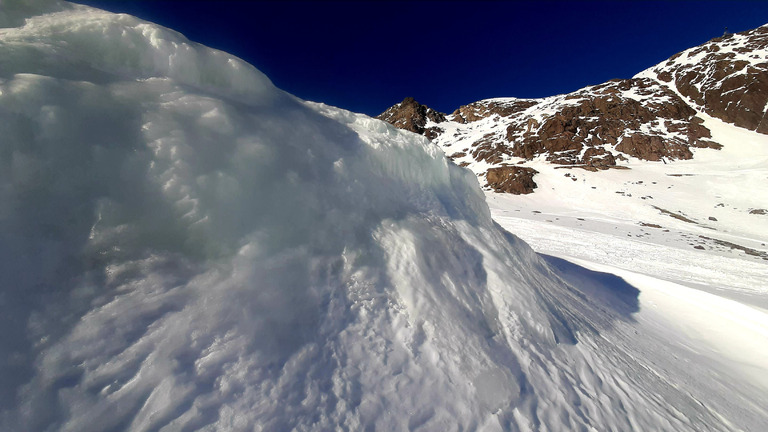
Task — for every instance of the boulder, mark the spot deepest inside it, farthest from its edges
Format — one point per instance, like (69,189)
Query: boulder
(516,180)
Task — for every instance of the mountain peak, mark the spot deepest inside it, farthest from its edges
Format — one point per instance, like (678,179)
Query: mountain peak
(413,116)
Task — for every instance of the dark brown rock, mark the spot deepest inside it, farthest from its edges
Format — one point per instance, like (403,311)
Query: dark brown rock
(516,180)
(731,89)
(598,157)
(413,116)
(490,150)
(652,148)
(602,116)
(486,108)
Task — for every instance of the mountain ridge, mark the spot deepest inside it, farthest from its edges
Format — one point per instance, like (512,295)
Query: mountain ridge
(653,116)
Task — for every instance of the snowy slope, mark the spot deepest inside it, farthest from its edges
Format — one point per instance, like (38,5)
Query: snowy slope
(717,195)
(703,281)
(185,247)
(613,219)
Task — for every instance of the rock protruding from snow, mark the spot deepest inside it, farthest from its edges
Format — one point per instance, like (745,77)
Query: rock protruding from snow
(726,77)
(512,179)
(413,116)
(486,108)
(637,117)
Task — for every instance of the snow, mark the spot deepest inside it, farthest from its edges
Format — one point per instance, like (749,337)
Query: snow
(76,42)
(710,311)
(186,247)
(710,305)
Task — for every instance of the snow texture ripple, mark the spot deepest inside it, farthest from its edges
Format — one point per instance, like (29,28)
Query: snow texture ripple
(185,247)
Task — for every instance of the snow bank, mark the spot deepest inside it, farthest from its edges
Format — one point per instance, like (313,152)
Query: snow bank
(81,43)
(183,246)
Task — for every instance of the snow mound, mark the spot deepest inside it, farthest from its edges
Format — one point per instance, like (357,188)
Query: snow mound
(185,247)
(81,43)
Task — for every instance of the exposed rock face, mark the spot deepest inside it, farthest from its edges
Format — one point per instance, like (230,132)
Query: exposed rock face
(412,116)
(486,108)
(637,117)
(726,77)
(599,127)
(511,179)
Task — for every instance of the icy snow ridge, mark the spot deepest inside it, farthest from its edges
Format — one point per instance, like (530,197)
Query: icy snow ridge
(80,43)
(185,247)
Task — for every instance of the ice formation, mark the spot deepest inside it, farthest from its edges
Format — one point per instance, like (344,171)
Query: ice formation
(183,246)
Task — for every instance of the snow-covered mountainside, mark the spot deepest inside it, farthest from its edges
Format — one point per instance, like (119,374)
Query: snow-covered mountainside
(726,77)
(665,149)
(654,116)
(183,246)
(686,234)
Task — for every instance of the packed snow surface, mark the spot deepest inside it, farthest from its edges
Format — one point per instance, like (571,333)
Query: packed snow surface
(185,247)
(690,235)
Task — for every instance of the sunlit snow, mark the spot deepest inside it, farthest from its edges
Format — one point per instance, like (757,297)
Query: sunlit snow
(185,247)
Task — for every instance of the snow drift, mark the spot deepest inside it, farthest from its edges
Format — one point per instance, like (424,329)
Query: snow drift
(183,246)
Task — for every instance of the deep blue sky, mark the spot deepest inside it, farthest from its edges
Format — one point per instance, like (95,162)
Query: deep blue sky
(366,56)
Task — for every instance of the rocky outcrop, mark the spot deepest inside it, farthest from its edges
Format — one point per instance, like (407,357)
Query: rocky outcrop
(637,117)
(726,77)
(486,108)
(413,116)
(598,157)
(516,180)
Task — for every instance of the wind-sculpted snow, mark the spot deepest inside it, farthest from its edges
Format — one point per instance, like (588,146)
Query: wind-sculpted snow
(79,43)
(184,247)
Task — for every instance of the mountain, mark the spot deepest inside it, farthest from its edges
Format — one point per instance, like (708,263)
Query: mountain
(183,246)
(412,116)
(669,148)
(658,180)
(654,116)
(726,77)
